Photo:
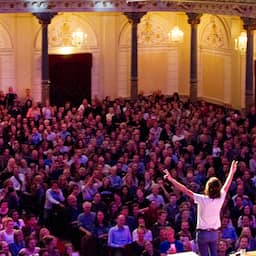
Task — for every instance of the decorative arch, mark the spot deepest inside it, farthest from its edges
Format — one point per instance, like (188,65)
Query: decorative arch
(67,23)
(152,31)
(215,63)
(214,33)
(158,61)
(5,38)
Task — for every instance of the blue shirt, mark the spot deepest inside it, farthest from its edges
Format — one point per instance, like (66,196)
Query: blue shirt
(158,198)
(15,248)
(230,233)
(118,237)
(86,221)
(116,181)
(36,138)
(165,245)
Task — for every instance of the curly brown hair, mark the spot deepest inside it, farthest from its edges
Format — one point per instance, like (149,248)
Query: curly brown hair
(213,187)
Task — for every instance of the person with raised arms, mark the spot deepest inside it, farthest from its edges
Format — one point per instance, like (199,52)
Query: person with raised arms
(208,211)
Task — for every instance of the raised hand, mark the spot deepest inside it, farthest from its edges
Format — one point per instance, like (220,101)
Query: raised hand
(230,176)
(233,166)
(177,184)
(167,175)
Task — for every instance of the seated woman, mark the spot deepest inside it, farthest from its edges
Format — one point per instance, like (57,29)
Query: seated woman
(149,250)
(101,228)
(247,210)
(30,247)
(7,234)
(69,250)
(147,233)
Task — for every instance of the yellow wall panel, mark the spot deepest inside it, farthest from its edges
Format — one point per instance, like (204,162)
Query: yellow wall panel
(152,71)
(213,77)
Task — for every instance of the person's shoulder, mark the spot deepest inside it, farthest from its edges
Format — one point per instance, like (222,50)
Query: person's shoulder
(223,193)
(81,215)
(200,196)
(126,227)
(178,242)
(164,243)
(113,228)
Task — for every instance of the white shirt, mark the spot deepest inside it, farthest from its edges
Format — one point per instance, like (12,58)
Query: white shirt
(208,212)
(50,200)
(16,184)
(147,235)
(8,238)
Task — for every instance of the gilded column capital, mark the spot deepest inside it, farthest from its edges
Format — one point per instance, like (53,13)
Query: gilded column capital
(45,18)
(134,17)
(249,23)
(194,18)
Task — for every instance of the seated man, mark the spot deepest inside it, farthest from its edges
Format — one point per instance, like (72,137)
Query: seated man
(228,231)
(243,243)
(86,219)
(119,236)
(171,245)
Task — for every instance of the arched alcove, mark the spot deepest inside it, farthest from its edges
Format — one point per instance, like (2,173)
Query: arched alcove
(157,56)
(65,23)
(5,38)
(214,33)
(152,32)
(7,72)
(214,59)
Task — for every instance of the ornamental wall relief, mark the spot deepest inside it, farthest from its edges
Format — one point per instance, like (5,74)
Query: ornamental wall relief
(62,29)
(152,31)
(213,34)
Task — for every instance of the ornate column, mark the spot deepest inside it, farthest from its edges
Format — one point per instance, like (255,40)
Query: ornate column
(134,19)
(193,20)
(249,26)
(45,19)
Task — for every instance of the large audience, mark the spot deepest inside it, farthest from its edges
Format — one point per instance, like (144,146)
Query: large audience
(88,180)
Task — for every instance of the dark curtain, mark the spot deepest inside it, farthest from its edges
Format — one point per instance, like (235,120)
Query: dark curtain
(70,77)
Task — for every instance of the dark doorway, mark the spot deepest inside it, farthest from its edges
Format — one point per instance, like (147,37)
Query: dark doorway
(70,77)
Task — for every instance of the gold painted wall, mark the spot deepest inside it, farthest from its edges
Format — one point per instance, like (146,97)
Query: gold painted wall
(213,77)
(23,42)
(161,65)
(152,71)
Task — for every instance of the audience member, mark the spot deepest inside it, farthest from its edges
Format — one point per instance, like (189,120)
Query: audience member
(171,245)
(141,224)
(119,236)
(86,219)
(18,244)
(111,153)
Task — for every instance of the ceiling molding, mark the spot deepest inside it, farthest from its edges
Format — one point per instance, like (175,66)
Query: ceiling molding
(245,8)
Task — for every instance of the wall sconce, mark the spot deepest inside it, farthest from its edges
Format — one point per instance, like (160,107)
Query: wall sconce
(176,35)
(241,42)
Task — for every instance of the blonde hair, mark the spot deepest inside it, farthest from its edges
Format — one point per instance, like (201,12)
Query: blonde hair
(5,221)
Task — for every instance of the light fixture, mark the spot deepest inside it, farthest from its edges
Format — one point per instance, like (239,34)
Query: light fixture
(176,35)
(67,35)
(78,38)
(241,42)
(66,50)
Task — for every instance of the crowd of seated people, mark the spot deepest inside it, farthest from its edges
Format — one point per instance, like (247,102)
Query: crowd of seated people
(88,180)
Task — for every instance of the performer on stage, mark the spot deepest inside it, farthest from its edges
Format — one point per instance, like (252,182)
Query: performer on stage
(208,210)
